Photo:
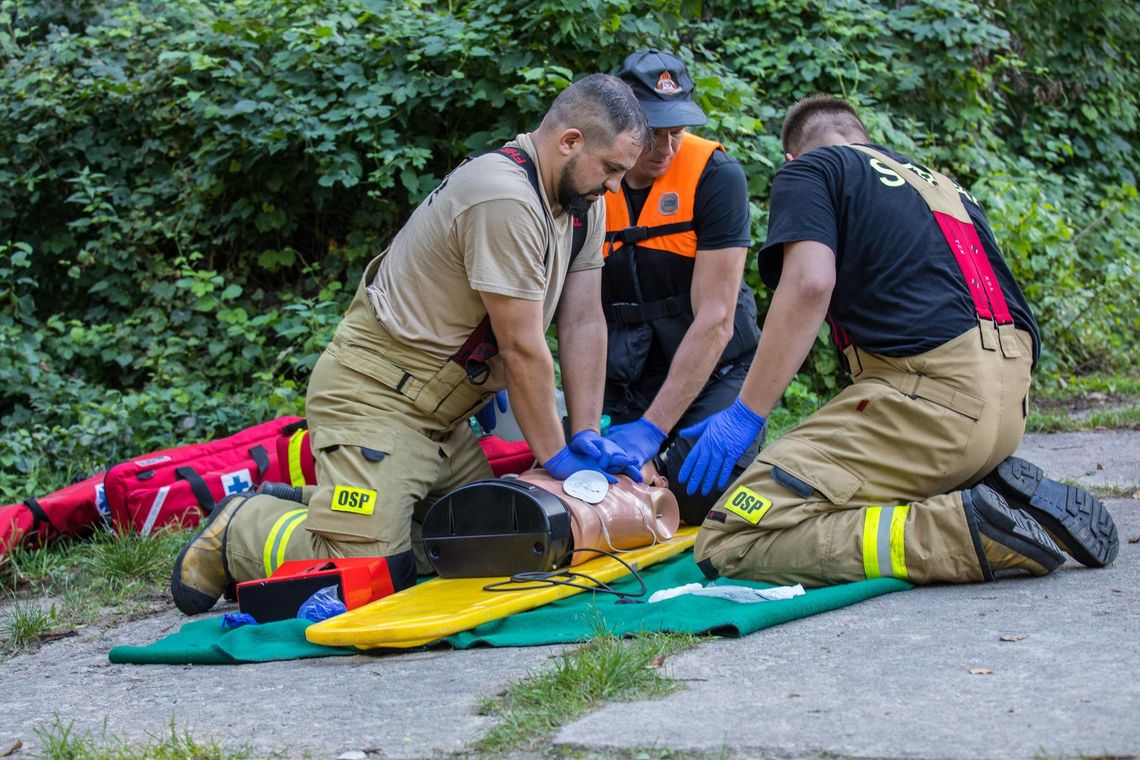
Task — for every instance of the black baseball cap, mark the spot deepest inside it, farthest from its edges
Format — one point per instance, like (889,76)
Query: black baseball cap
(663,87)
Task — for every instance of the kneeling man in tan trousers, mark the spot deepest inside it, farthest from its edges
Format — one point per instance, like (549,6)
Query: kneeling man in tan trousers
(455,309)
(908,472)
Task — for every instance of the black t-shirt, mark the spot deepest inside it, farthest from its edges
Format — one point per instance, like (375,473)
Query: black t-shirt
(898,290)
(720,210)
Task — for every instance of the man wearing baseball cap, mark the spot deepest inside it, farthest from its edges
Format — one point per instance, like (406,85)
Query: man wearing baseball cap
(682,325)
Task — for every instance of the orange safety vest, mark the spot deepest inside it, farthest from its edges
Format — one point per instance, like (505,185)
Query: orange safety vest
(648,275)
(666,219)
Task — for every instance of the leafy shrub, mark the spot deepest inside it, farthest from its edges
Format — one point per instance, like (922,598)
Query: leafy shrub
(189,191)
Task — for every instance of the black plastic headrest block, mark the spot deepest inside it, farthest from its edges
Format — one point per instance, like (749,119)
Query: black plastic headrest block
(493,528)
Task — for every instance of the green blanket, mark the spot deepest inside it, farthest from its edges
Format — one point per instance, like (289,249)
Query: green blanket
(576,618)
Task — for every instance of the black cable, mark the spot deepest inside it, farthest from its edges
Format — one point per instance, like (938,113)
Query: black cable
(545,579)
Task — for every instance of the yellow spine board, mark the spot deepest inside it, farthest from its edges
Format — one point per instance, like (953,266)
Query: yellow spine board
(443,606)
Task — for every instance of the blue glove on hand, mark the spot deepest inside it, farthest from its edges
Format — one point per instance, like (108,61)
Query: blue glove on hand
(611,456)
(486,416)
(723,438)
(565,463)
(640,439)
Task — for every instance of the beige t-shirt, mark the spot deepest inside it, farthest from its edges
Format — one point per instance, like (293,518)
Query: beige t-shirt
(484,228)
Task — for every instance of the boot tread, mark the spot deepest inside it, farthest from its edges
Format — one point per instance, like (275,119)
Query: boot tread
(1076,518)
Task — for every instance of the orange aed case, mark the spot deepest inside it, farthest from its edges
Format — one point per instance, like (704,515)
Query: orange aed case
(358,580)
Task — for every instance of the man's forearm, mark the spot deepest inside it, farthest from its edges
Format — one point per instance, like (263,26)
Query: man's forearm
(689,370)
(798,308)
(581,354)
(530,383)
(716,281)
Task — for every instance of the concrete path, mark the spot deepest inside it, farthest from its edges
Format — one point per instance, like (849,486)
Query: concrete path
(888,678)
(892,677)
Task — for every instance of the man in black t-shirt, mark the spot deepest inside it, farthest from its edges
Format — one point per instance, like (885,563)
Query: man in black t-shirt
(682,325)
(907,472)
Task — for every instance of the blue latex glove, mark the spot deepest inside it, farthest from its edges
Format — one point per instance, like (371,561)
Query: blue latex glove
(608,454)
(565,463)
(486,416)
(723,438)
(640,439)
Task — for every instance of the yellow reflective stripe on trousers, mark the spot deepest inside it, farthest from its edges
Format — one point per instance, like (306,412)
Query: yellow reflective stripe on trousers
(296,475)
(884,550)
(274,553)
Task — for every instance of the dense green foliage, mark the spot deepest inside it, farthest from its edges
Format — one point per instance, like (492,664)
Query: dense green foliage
(189,190)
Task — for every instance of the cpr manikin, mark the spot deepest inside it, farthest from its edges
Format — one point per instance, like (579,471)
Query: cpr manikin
(537,522)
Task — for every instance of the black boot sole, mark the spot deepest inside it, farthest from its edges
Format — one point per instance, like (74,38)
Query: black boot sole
(1077,520)
(1014,530)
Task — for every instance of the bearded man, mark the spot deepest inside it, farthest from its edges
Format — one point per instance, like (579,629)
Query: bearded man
(453,311)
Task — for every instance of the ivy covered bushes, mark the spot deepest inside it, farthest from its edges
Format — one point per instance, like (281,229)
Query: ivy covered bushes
(189,190)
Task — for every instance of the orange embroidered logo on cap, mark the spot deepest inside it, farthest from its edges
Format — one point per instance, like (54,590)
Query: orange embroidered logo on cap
(666,85)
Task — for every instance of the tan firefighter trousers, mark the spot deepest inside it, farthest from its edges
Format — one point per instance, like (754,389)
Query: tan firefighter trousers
(870,485)
(389,432)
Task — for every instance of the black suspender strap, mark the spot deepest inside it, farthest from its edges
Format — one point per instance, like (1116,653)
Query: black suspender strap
(480,345)
(520,157)
(198,486)
(579,241)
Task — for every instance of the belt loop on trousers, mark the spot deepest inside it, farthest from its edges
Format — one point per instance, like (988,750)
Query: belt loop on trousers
(1007,339)
(989,339)
(917,380)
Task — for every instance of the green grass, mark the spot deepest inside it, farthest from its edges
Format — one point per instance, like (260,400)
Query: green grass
(1066,404)
(1070,387)
(109,575)
(60,742)
(1127,418)
(26,623)
(605,668)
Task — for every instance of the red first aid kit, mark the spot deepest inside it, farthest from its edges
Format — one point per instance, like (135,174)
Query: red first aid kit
(180,485)
(68,511)
(358,580)
(506,456)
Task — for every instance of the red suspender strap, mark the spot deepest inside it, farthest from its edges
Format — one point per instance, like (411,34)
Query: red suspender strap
(838,335)
(941,197)
(476,350)
(975,265)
